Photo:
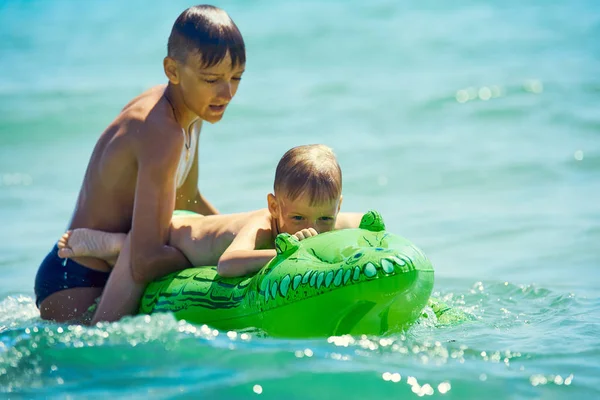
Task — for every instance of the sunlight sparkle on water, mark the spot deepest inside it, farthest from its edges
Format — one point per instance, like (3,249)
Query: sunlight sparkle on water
(539,379)
(483,93)
(391,377)
(533,86)
(444,387)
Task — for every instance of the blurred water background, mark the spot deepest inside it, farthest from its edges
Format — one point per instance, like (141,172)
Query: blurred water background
(471,126)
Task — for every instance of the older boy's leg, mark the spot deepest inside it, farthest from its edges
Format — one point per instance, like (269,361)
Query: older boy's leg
(69,305)
(122,294)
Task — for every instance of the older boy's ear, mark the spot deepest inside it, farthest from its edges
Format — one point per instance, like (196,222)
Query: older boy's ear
(272,204)
(171,70)
(340,203)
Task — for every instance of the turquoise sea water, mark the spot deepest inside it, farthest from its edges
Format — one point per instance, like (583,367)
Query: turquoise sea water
(473,127)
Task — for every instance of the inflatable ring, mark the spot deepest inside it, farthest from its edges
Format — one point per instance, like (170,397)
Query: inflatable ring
(351,281)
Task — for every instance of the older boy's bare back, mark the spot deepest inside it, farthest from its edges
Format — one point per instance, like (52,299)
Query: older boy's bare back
(142,132)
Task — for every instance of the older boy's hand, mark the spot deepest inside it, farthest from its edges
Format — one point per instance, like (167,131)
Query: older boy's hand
(305,233)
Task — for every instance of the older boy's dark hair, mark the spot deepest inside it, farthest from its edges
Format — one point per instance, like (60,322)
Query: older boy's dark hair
(312,169)
(209,31)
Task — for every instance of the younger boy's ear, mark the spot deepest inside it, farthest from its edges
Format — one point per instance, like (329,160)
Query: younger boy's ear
(272,204)
(171,70)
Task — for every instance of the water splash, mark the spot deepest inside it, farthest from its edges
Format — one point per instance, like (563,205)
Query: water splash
(487,345)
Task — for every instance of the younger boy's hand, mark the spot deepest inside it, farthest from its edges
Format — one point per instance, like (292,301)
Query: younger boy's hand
(305,233)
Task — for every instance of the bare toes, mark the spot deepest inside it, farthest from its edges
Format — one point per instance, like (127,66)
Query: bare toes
(65,252)
(64,239)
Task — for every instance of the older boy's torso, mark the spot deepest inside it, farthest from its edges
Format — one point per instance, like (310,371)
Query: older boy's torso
(107,195)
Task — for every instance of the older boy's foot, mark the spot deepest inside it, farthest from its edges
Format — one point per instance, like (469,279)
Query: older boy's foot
(85,242)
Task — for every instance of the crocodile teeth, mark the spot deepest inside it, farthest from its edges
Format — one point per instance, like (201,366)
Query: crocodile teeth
(387,265)
(370,270)
(347,276)
(296,281)
(266,289)
(398,261)
(306,277)
(337,281)
(320,279)
(328,279)
(356,274)
(284,285)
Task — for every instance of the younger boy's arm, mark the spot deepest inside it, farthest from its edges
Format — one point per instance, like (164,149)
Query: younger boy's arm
(242,257)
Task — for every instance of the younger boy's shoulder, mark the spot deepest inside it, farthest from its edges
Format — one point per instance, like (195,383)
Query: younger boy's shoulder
(347,220)
(260,217)
(258,225)
(257,219)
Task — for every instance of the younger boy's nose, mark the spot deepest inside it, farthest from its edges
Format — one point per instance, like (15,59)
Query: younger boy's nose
(314,226)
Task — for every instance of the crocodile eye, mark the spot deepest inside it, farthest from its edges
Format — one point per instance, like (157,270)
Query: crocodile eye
(357,255)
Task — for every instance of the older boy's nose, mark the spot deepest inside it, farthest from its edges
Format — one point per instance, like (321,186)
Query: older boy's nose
(225,91)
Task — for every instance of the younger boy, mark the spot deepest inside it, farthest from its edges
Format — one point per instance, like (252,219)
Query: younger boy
(306,201)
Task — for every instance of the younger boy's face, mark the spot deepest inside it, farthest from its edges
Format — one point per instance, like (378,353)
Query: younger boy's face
(294,215)
(208,91)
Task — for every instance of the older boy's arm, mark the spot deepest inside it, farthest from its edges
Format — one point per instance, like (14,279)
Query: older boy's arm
(153,208)
(242,257)
(121,295)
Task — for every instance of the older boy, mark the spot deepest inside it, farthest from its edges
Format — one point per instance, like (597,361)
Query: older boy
(145,163)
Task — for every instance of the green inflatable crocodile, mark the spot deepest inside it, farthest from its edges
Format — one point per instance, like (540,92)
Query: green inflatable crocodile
(351,281)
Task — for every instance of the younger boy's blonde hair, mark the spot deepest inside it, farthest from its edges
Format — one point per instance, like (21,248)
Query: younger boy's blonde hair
(312,169)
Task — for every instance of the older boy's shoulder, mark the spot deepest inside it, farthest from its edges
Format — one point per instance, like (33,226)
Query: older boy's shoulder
(146,122)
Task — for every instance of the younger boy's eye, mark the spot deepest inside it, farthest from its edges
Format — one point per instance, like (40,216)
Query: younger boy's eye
(297,218)
(326,219)
(210,80)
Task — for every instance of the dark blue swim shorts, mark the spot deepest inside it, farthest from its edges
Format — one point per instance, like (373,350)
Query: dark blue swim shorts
(56,274)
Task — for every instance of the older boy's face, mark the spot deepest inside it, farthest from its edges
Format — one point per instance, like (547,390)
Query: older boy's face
(208,91)
(298,214)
